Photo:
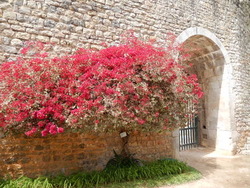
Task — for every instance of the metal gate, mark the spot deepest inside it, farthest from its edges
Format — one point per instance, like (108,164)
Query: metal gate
(188,136)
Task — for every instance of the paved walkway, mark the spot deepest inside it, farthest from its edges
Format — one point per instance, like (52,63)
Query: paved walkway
(219,171)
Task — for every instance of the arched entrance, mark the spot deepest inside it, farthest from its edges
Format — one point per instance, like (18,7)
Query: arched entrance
(211,65)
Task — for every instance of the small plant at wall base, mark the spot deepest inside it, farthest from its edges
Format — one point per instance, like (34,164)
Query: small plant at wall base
(132,86)
(125,159)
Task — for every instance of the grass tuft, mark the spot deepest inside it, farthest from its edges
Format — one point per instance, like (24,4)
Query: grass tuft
(161,172)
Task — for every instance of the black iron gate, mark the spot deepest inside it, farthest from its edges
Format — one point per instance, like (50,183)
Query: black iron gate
(188,136)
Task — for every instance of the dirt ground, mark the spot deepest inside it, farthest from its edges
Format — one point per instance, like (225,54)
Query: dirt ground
(218,170)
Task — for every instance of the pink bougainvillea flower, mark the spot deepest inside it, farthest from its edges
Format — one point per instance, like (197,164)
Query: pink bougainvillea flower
(60,129)
(31,132)
(141,121)
(127,85)
(41,124)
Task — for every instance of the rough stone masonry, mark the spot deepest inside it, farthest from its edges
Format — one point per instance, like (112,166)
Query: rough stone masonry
(219,29)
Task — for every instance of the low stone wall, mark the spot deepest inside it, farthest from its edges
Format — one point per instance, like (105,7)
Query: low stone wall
(71,152)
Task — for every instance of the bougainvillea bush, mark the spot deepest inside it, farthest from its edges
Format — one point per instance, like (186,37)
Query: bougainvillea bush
(132,86)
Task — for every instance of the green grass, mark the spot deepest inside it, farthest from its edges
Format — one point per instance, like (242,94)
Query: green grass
(161,172)
(159,181)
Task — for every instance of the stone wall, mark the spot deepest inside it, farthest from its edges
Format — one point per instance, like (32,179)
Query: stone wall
(71,152)
(71,24)
(83,23)
(240,59)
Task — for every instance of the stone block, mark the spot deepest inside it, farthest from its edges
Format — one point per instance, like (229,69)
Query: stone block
(90,25)
(49,23)
(53,16)
(16,42)
(65,19)
(17,28)
(86,17)
(9,49)
(208,73)
(31,31)
(101,1)
(42,38)
(61,26)
(4,26)
(47,33)
(219,70)
(59,35)
(4,4)
(8,32)
(24,10)
(9,15)
(248,140)
(79,29)
(54,40)
(99,33)
(22,35)
(20,17)
(19,2)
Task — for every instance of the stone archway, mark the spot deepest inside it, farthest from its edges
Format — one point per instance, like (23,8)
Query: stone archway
(211,64)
